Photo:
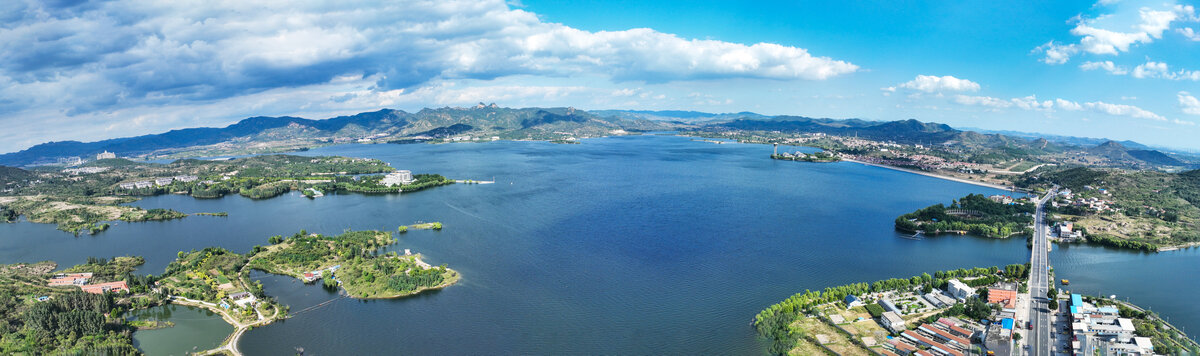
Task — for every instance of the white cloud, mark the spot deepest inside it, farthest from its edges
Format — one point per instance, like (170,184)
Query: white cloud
(1031,103)
(931,84)
(1107,66)
(1153,69)
(1189,33)
(1150,70)
(1095,38)
(1025,103)
(1188,103)
(987,101)
(1067,105)
(1122,110)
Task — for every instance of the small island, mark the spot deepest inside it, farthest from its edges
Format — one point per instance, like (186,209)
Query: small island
(997,216)
(349,261)
(818,157)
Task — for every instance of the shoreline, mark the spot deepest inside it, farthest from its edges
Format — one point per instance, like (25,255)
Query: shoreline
(1178,247)
(933,175)
(230,344)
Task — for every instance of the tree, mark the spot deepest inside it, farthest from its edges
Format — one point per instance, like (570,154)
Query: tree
(1053,304)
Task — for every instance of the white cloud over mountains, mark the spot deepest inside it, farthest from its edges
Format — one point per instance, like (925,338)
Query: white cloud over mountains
(1032,103)
(85,57)
(936,84)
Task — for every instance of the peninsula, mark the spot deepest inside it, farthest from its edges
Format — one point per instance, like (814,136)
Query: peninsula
(964,311)
(997,216)
(82,199)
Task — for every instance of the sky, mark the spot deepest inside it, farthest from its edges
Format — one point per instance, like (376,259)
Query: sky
(91,70)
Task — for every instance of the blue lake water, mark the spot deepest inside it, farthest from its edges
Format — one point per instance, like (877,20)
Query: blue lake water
(194,330)
(624,245)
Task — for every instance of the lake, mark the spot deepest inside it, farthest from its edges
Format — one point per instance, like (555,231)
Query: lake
(623,245)
(195,330)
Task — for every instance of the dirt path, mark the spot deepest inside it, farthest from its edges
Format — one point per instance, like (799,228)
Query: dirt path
(231,342)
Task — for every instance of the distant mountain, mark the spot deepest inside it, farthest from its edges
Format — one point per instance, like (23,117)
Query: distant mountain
(681,116)
(478,120)
(1155,157)
(1066,140)
(1119,154)
(13,174)
(906,131)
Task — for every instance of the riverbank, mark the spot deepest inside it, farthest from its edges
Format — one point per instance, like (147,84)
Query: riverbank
(934,175)
(1178,247)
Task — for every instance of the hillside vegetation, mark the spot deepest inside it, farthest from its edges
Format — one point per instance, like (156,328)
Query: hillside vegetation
(1150,209)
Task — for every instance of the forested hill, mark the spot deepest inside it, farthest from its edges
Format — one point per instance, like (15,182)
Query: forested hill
(905,131)
(479,120)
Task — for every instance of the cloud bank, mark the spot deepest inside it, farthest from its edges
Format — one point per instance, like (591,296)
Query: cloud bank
(76,57)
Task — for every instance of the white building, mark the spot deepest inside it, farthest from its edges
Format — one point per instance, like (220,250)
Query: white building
(242,299)
(892,321)
(164,181)
(105,155)
(959,290)
(186,178)
(400,177)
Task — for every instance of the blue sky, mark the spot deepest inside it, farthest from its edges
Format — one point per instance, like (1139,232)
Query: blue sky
(79,70)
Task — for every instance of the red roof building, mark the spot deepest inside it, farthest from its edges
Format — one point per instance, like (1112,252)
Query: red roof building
(1006,298)
(70,279)
(102,288)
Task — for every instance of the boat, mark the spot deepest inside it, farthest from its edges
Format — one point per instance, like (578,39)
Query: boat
(1066,282)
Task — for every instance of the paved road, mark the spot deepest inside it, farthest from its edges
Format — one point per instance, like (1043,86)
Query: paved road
(1039,284)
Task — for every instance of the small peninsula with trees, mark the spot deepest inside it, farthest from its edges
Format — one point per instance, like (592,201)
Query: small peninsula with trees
(350,260)
(996,217)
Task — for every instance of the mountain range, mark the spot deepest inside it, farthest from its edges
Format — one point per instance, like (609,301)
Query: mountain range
(556,123)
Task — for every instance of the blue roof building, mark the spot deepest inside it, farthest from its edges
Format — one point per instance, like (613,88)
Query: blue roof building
(851,299)
(1076,300)
(1006,323)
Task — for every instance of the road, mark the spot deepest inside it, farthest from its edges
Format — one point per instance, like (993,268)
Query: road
(230,346)
(1039,284)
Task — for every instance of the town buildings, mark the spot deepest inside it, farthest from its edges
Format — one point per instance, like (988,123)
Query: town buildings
(105,155)
(81,280)
(1102,330)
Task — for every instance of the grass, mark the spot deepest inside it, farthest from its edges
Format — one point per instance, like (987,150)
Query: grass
(1022,166)
(837,340)
(426,226)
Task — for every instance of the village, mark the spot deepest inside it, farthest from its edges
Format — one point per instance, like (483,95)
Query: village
(978,315)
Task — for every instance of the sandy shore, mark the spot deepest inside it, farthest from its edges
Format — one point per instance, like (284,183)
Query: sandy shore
(1179,247)
(927,174)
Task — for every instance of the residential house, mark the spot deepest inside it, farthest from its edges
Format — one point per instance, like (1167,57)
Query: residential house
(852,301)
(959,290)
(892,321)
